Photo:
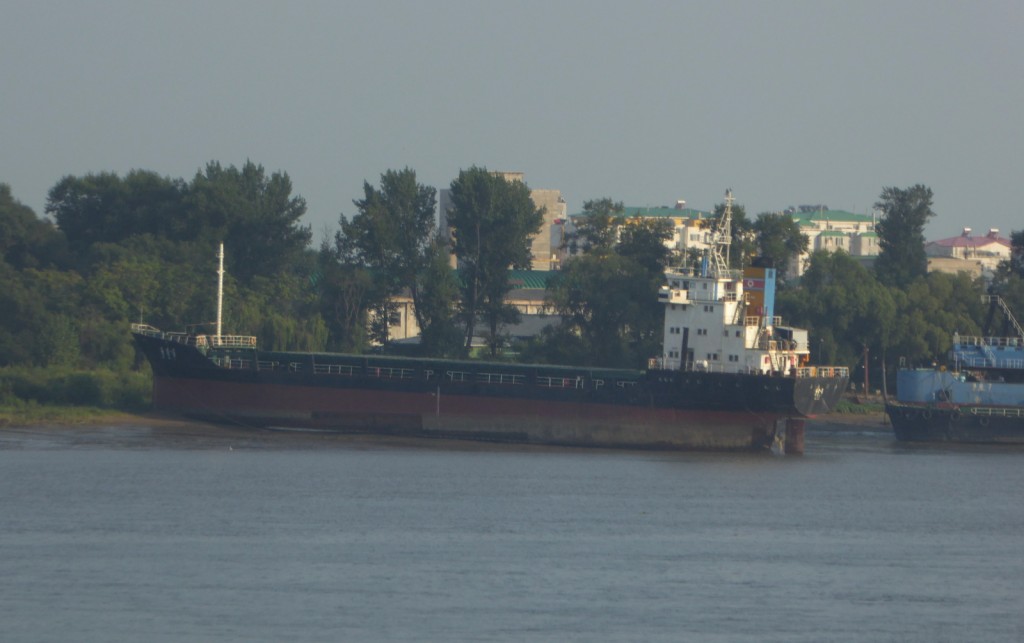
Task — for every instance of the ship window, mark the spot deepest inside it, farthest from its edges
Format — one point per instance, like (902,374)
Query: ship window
(714,357)
(725,333)
(737,333)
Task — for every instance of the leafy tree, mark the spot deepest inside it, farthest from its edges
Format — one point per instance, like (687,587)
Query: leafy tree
(391,234)
(25,240)
(901,257)
(343,291)
(438,288)
(106,208)
(930,310)
(597,228)
(1015,264)
(643,240)
(255,215)
(779,239)
(842,305)
(596,296)
(607,297)
(493,221)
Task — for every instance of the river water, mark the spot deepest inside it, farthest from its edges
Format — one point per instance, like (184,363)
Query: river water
(143,533)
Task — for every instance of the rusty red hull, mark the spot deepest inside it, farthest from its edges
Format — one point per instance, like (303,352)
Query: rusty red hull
(538,404)
(423,414)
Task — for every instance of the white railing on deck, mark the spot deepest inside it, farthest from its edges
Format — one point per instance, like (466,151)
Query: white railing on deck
(231,341)
(500,378)
(823,371)
(559,382)
(216,341)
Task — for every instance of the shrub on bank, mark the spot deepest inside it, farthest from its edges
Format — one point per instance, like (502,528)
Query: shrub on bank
(126,390)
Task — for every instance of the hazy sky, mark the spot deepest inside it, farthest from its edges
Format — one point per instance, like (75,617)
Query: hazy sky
(785,102)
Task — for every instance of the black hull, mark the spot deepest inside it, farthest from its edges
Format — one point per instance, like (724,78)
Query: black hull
(963,423)
(480,400)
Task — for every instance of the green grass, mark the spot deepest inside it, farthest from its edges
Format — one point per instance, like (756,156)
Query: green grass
(19,413)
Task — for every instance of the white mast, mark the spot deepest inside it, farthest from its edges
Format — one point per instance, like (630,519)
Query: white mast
(722,239)
(220,288)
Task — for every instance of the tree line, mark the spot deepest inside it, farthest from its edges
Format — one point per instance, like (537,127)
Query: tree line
(140,248)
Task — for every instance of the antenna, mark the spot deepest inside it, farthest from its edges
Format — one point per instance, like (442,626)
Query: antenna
(220,288)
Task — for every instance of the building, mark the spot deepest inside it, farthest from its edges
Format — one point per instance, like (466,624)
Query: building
(977,255)
(832,230)
(825,229)
(527,296)
(690,230)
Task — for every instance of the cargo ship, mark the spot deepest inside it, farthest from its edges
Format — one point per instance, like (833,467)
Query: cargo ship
(978,398)
(730,377)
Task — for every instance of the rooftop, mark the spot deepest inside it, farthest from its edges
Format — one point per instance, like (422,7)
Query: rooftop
(966,239)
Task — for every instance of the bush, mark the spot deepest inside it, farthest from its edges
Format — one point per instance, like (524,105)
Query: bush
(126,390)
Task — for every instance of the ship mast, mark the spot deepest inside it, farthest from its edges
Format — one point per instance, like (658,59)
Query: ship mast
(722,239)
(220,288)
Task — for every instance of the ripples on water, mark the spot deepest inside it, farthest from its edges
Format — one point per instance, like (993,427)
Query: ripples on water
(139,533)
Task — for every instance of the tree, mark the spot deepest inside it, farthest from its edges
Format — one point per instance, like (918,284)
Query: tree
(596,296)
(901,258)
(343,292)
(25,240)
(607,297)
(106,208)
(493,220)
(840,302)
(779,240)
(391,234)
(1014,265)
(438,290)
(929,310)
(597,227)
(255,215)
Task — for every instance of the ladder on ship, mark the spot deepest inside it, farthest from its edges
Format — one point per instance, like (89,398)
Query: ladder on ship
(995,301)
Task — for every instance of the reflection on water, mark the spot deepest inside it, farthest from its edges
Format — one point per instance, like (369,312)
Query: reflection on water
(180,532)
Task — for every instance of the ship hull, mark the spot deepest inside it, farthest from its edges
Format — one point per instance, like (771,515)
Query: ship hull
(481,401)
(957,423)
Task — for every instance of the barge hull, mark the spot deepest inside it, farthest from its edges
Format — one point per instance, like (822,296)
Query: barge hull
(424,414)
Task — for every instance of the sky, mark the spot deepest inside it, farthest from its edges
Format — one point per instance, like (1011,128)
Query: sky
(648,102)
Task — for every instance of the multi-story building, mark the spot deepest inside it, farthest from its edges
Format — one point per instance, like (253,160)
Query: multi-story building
(689,227)
(825,229)
(979,256)
(832,230)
